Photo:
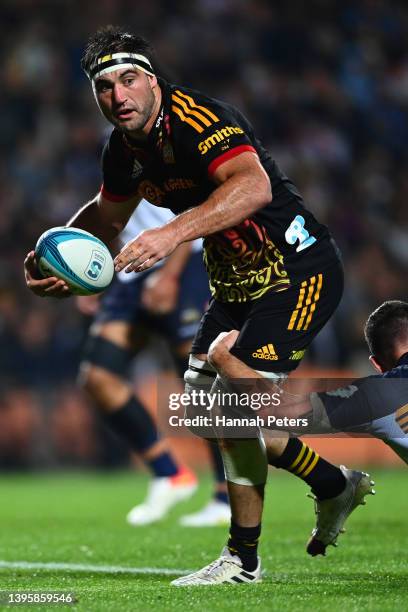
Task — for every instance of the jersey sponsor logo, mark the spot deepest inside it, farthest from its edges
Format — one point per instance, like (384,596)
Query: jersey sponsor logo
(197,116)
(222,134)
(309,295)
(266,352)
(155,194)
(176,184)
(296,231)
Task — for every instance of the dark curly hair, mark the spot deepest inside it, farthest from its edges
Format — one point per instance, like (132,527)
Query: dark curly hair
(113,39)
(385,328)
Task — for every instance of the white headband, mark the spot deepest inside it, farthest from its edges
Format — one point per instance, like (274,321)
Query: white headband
(112,61)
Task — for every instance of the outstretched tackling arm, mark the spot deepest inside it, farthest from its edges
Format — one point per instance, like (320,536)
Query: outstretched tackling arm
(351,408)
(243,378)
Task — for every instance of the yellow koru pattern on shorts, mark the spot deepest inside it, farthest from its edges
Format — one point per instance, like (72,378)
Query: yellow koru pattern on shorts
(243,263)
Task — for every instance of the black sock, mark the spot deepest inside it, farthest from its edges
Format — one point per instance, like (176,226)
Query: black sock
(325,479)
(221,496)
(243,541)
(133,423)
(163,465)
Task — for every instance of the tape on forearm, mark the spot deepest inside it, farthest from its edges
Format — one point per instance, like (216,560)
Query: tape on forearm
(199,376)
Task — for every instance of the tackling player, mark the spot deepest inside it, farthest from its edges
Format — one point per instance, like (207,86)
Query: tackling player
(274,270)
(170,299)
(376,405)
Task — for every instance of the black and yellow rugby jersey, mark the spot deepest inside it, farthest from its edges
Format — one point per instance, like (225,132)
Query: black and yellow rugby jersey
(279,245)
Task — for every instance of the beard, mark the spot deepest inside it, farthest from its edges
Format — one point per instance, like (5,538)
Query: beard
(141,114)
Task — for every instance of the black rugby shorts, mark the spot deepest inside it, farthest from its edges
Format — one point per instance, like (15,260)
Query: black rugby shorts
(276,329)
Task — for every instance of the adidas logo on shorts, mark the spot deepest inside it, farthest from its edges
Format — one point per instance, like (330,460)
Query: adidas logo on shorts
(266,352)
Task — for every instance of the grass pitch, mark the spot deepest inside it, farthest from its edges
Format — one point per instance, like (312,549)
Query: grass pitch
(78,519)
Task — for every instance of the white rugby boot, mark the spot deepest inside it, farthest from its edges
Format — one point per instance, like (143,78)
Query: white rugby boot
(213,514)
(227,569)
(163,494)
(331,514)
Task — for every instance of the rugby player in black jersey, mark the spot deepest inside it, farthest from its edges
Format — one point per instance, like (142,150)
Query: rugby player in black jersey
(274,270)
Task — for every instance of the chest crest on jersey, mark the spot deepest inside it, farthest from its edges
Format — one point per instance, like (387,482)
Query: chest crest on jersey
(164,143)
(151,192)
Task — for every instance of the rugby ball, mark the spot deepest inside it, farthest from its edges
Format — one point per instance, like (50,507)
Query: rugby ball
(77,257)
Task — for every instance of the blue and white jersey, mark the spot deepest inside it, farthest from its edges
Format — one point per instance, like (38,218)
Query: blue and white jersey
(145,217)
(370,399)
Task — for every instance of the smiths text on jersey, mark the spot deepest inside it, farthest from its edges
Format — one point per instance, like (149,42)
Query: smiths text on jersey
(276,247)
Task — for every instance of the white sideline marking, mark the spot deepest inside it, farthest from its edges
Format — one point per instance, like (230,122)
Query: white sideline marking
(81,567)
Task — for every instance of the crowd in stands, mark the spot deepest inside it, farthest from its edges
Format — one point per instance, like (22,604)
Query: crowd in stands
(325,84)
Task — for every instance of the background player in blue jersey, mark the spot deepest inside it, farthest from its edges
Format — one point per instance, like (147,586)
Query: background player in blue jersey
(274,270)
(169,299)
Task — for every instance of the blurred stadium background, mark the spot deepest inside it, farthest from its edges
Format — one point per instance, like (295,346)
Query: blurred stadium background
(325,84)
